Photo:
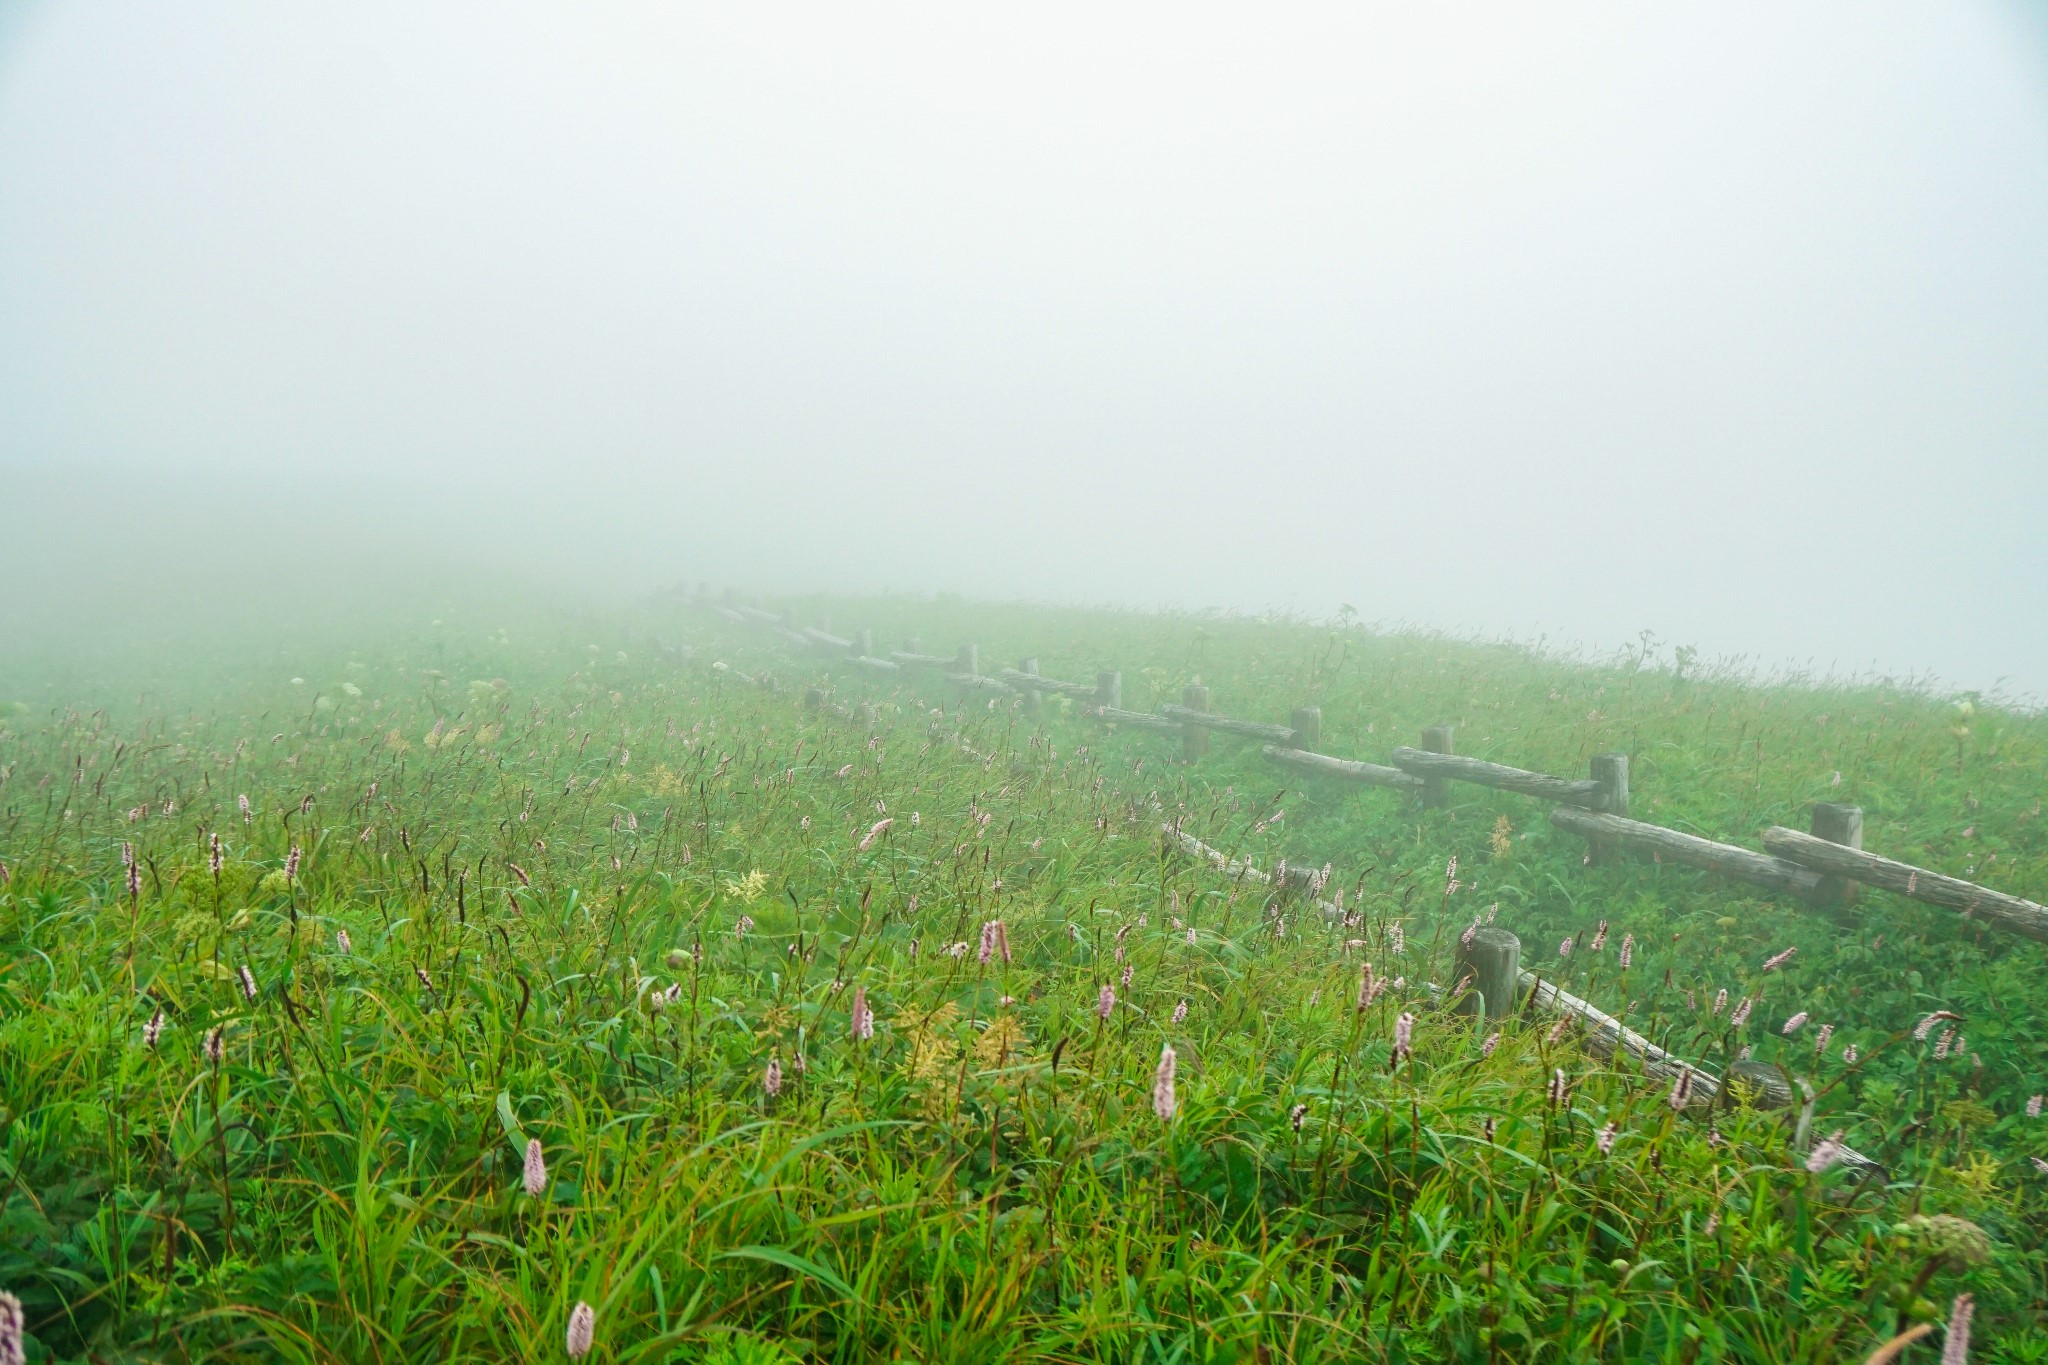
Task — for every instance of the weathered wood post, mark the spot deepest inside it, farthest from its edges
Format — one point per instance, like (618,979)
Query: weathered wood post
(1307,724)
(1436,790)
(863,644)
(968,660)
(1838,824)
(1109,689)
(814,698)
(1611,772)
(1031,695)
(1194,738)
(1493,959)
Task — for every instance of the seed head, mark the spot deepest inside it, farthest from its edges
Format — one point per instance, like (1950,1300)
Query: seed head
(1794,1024)
(1180,1013)
(1599,937)
(1404,1035)
(1926,1026)
(1605,1138)
(291,864)
(1681,1090)
(1559,1088)
(771,1079)
(211,1045)
(582,1329)
(1955,1346)
(13,1350)
(536,1175)
(341,941)
(1492,1041)
(248,982)
(862,1018)
(1297,1116)
(1826,1154)
(153,1030)
(2034,1107)
(1106,1001)
(1771,964)
(1564,949)
(1628,950)
(875,831)
(1820,1039)
(1741,1014)
(1163,1103)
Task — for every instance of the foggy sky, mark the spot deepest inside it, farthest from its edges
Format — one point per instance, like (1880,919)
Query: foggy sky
(1724,321)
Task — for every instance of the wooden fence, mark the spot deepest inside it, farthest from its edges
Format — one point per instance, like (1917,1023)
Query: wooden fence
(1821,867)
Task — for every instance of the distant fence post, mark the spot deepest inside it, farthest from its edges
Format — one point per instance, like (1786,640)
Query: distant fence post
(1307,724)
(1194,739)
(1611,772)
(1838,824)
(814,698)
(1109,689)
(863,644)
(1436,790)
(1493,959)
(1031,695)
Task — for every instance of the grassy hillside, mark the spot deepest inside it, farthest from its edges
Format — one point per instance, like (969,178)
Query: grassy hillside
(555,1004)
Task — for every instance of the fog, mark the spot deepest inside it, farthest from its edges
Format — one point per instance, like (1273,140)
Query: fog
(1728,322)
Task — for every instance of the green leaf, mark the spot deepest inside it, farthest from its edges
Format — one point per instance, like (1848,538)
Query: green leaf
(789,1260)
(513,1132)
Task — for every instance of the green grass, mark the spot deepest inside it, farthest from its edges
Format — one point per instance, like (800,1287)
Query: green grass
(986,1177)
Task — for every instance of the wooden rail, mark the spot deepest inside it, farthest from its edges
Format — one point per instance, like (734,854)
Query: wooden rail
(1975,902)
(1544,787)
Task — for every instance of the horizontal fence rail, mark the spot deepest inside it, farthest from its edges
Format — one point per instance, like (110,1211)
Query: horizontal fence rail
(1821,868)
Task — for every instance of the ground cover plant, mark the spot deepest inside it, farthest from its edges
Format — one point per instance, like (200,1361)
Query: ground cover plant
(521,987)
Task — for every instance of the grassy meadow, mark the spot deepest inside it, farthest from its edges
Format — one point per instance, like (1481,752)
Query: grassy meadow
(511,986)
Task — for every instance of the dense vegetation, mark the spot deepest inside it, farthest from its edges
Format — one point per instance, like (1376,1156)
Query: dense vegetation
(392,998)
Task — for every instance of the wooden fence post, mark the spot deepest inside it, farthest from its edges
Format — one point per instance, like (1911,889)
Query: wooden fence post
(1838,824)
(1194,739)
(1109,689)
(814,698)
(1031,695)
(968,660)
(1307,724)
(1493,959)
(1611,772)
(863,644)
(1436,790)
